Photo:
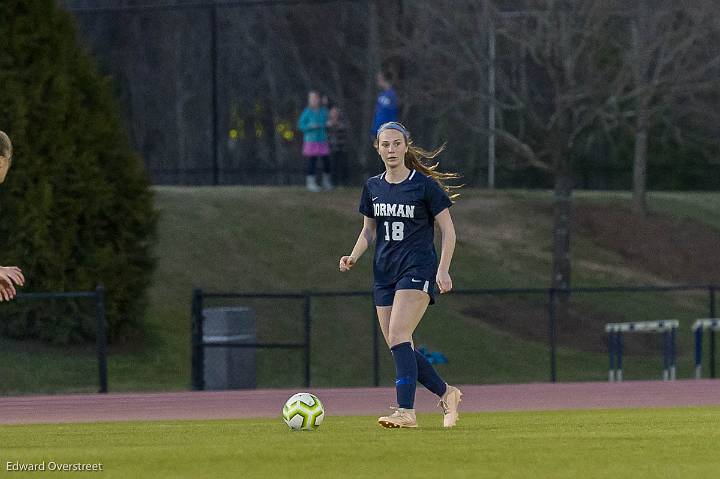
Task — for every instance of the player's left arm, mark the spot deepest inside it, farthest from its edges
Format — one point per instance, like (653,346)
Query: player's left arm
(9,277)
(447,230)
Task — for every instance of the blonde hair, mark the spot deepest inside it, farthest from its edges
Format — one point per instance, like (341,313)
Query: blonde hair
(6,148)
(416,158)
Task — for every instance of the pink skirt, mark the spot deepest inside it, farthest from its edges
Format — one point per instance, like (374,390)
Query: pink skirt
(316,148)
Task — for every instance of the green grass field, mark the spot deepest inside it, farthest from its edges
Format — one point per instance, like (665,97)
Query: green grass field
(638,444)
(286,239)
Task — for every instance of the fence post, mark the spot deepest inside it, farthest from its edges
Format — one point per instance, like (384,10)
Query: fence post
(101,337)
(552,335)
(666,355)
(673,354)
(620,346)
(611,356)
(698,352)
(198,351)
(712,332)
(712,354)
(306,314)
(376,350)
(214,93)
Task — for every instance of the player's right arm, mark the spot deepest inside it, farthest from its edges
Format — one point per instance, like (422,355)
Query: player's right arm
(365,239)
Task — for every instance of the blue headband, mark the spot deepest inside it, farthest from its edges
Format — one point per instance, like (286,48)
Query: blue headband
(393,125)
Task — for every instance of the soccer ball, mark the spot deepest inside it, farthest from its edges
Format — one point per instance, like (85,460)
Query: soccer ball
(303,411)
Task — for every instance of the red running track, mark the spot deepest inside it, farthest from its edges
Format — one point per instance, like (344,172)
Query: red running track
(353,401)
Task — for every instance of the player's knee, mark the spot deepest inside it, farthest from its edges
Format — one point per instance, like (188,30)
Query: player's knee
(398,338)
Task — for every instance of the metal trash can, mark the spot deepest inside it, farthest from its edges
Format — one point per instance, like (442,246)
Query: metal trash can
(229,367)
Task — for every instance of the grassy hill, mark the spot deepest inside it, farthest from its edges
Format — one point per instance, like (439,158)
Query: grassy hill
(286,239)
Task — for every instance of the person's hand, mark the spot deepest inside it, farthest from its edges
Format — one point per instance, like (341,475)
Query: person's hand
(443,281)
(6,293)
(12,274)
(347,262)
(9,277)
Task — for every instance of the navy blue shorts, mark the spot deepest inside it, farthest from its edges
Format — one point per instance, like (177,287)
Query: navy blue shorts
(383,294)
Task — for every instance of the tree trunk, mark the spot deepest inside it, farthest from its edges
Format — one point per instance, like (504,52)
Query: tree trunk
(640,161)
(372,65)
(276,146)
(561,266)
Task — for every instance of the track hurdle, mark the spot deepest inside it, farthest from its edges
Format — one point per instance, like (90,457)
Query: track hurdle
(668,328)
(713,325)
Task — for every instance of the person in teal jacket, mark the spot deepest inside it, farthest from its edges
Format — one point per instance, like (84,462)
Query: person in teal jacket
(313,123)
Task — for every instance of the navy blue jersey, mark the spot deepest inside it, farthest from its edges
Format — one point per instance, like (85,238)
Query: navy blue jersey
(405,216)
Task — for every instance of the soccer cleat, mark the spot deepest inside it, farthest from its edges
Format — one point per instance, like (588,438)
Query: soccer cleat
(400,418)
(449,404)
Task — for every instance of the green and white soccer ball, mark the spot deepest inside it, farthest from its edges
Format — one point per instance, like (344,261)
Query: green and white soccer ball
(303,411)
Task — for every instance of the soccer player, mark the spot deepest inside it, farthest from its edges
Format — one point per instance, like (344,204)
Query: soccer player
(9,275)
(400,208)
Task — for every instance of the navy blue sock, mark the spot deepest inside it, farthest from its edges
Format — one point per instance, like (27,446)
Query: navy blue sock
(406,374)
(427,376)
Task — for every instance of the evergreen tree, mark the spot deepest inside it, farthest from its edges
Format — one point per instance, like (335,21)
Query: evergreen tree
(76,209)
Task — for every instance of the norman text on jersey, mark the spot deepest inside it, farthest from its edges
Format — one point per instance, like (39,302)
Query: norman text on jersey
(394,209)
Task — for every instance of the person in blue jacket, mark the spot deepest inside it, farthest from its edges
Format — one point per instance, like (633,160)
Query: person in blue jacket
(386,108)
